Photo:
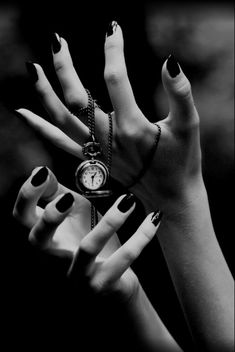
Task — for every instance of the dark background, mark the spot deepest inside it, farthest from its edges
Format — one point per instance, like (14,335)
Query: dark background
(39,309)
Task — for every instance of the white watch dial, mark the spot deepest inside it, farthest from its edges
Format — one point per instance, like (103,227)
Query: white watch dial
(92,177)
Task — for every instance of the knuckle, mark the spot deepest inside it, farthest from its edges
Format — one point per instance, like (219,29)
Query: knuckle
(128,254)
(49,219)
(58,65)
(112,223)
(96,286)
(113,75)
(75,99)
(99,286)
(33,240)
(85,247)
(146,234)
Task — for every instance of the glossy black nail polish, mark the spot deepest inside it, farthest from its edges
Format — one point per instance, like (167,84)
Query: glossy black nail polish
(40,177)
(156,218)
(65,202)
(126,203)
(55,43)
(172,66)
(111,28)
(32,71)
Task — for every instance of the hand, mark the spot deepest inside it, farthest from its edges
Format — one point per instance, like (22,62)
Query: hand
(175,168)
(60,227)
(113,275)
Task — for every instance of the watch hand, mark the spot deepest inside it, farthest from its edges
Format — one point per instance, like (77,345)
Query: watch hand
(92,177)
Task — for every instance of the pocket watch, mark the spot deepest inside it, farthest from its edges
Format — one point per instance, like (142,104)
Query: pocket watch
(92,175)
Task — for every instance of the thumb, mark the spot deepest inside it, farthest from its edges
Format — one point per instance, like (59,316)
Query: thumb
(178,88)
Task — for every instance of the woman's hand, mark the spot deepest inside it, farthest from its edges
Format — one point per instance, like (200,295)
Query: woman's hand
(63,229)
(175,167)
(60,227)
(113,275)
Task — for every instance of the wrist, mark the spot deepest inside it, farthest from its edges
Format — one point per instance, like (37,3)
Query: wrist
(171,201)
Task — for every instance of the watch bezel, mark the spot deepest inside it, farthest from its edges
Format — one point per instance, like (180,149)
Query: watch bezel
(82,188)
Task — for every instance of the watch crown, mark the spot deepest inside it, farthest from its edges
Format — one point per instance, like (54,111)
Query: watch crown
(92,149)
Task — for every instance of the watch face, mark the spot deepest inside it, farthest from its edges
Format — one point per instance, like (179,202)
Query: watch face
(92,177)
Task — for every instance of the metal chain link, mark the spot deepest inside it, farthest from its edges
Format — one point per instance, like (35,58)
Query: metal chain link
(91,114)
(91,126)
(110,143)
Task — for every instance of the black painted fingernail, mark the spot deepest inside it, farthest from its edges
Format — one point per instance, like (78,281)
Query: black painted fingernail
(55,43)
(126,203)
(40,177)
(156,218)
(65,202)
(172,66)
(32,71)
(111,28)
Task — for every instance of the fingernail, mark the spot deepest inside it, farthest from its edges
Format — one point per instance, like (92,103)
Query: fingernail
(40,177)
(65,202)
(126,203)
(55,43)
(32,71)
(156,217)
(111,28)
(172,66)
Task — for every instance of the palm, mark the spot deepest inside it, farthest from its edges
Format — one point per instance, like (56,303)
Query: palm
(131,143)
(70,232)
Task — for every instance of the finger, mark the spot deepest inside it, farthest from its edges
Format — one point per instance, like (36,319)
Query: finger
(74,92)
(53,215)
(115,73)
(120,261)
(42,184)
(94,242)
(50,132)
(55,108)
(182,110)
(31,191)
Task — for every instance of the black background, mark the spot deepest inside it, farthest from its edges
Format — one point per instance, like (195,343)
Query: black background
(39,309)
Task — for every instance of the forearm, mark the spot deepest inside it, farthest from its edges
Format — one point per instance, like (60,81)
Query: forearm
(146,325)
(200,273)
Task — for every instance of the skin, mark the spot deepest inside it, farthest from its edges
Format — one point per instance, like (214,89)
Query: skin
(172,183)
(97,258)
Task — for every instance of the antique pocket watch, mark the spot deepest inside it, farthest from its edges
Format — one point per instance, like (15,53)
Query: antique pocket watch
(92,175)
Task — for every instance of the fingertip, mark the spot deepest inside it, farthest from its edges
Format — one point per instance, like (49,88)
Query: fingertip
(64,43)
(20,111)
(156,218)
(64,203)
(39,176)
(55,43)
(174,79)
(113,35)
(36,169)
(171,70)
(111,29)
(126,203)
(172,66)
